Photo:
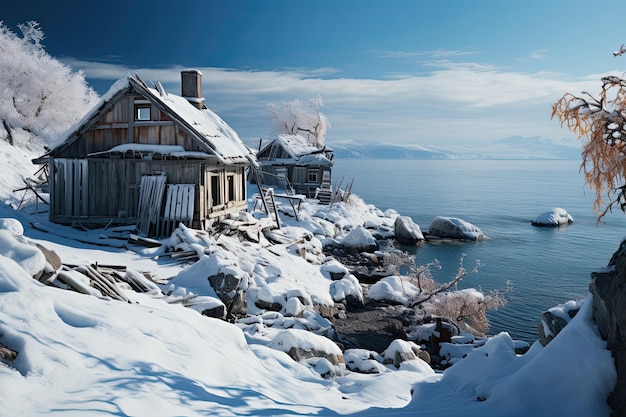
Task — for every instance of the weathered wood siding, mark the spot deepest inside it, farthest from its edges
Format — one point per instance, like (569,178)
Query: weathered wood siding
(114,186)
(119,125)
(302,182)
(70,177)
(118,182)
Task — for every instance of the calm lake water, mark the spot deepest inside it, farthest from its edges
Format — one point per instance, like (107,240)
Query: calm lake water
(546,266)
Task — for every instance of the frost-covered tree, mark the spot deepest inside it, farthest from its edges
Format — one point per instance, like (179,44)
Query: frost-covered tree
(39,96)
(294,117)
(601,122)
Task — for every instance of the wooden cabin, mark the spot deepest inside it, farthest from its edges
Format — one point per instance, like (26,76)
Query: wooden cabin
(147,157)
(290,162)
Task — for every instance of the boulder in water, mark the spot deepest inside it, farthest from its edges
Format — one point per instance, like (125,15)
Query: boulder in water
(453,228)
(555,217)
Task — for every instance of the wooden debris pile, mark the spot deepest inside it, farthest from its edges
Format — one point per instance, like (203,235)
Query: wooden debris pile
(101,281)
(245,227)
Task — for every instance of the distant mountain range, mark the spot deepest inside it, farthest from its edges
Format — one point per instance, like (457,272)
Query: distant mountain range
(514,147)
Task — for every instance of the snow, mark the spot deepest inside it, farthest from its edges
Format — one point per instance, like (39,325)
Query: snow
(85,354)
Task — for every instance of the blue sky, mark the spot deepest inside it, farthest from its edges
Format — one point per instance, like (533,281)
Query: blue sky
(429,73)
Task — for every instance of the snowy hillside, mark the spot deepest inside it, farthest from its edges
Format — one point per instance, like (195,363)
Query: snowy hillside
(84,355)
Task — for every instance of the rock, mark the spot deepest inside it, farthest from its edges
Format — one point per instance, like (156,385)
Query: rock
(299,355)
(549,326)
(400,351)
(608,289)
(372,275)
(268,305)
(363,361)
(293,307)
(301,345)
(334,270)
(218,312)
(407,232)
(207,306)
(553,218)
(368,326)
(453,228)
(7,355)
(424,355)
(555,320)
(323,367)
(227,288)
(53,264)
(347,290)
(360,239)
(327,312)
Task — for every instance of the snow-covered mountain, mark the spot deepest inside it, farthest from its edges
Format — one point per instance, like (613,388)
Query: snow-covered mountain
(514,147)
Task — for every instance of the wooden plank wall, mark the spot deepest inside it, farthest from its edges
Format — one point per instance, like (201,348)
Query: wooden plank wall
(71,190)
(118,182)
(114,188)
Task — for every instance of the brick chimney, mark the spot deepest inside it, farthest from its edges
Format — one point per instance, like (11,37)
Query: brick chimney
(191,87)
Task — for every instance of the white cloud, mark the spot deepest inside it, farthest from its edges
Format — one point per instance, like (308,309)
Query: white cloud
(450,102)
(539,54)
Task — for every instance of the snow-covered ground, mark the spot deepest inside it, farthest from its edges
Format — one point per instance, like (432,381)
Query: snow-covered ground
(89,355)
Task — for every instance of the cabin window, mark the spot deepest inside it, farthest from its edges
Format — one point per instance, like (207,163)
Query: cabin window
(230,184)
(216,193)
(242,176)
(142,113)
(312,175)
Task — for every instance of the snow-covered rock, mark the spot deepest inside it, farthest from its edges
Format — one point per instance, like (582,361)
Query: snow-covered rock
(363,361)
(555,319)
(334,270)
(347,290)
(393,289)
(555,217)
(401,351)
(454,228)
(360,239)
(302,344)
(406,231)
(15,246)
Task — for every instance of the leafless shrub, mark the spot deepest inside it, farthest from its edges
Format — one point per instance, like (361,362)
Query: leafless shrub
(466,308)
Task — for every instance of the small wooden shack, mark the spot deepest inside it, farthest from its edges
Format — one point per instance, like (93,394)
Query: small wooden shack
(291,162)
(147,157)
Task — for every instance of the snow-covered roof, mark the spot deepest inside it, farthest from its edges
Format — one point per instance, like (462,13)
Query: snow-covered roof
(300,150)
(215,135)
